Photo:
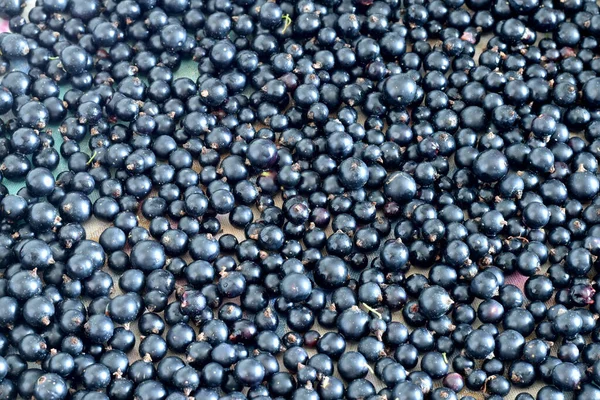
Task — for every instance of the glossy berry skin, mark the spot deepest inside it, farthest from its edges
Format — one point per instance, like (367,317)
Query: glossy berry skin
(400,187)
(490,166)
(566,376)
(434,302)
(147,255)
(295,287)
(479,344)
(50,386)
(353,173)
(99,328)
(249,372)
(400,90)
(259,167)
(261,153)
(74,59)
(40,182)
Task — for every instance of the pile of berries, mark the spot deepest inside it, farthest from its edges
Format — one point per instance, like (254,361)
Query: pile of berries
(413,185)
